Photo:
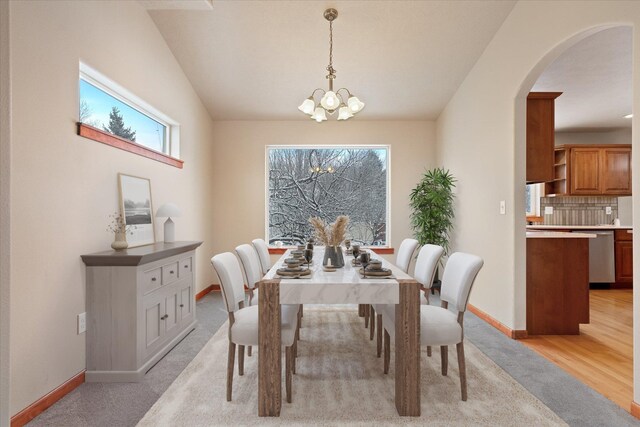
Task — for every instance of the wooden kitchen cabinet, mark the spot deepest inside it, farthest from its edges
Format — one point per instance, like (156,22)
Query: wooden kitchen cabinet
(591,170)
(540,136)
(624,259)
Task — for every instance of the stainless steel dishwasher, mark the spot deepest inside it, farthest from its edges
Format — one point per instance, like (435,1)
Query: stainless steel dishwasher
(602,264)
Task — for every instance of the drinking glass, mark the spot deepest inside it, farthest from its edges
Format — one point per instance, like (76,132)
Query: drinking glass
(365,257)
(308,256)
(355,253)
(347,244)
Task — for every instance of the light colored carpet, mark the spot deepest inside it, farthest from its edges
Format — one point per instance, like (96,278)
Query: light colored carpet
(340,381)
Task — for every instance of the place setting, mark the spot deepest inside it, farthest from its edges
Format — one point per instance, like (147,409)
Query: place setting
(372,268)
(294,267)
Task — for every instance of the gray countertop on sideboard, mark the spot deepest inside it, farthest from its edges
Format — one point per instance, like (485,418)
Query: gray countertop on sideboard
(138,255)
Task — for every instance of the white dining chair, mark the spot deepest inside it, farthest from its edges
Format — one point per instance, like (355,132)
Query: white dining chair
(439,326)
(263,253)
(244,321)
(426,266)
(403,261)
(252,268)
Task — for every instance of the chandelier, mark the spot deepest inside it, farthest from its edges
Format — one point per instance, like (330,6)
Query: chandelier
(331,101)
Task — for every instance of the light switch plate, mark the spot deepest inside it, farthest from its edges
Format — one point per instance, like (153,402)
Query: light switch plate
(503,207)
(82,323)
(607,210)
(548,210)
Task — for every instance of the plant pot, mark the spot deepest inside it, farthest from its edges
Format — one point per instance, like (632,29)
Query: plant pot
(120,243)
(333,253)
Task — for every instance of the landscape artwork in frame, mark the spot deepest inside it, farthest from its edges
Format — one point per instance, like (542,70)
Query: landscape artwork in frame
(137,209)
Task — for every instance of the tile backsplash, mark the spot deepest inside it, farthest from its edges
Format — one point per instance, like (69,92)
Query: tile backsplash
(579,210)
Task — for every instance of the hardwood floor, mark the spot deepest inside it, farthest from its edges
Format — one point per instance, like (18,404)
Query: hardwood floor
(602,355)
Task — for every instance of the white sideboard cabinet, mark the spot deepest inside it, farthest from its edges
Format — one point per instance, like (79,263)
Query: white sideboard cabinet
(140,304)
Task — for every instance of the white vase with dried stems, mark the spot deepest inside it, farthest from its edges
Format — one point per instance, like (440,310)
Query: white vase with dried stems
(332,236)
(120,229)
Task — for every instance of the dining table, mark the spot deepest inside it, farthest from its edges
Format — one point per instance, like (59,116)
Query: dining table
(345,285)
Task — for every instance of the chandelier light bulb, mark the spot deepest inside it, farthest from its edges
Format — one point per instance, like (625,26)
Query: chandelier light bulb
(319,115)
(330,101)
(355,105)
(344,113)
(307,106)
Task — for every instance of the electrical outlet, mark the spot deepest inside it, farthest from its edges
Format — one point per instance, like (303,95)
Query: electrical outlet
(82,323)
(503,207)
(548,210)
(607,210)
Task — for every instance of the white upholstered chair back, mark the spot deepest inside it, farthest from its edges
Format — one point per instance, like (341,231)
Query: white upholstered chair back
(263,253)
(405,252)
(251,264)
(427,263)
(459,274)
(229,272)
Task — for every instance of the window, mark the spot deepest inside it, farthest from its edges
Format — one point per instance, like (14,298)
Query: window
(533,192)
(326,182)
(111,114)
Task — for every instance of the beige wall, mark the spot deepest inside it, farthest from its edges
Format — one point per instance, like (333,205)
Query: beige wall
(613,136)
(239,168)
(481,138)
(65,186)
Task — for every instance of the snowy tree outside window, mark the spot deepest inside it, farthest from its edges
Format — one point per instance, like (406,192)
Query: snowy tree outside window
(326,182)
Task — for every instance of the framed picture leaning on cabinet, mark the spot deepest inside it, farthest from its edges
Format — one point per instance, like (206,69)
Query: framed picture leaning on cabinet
(137,208)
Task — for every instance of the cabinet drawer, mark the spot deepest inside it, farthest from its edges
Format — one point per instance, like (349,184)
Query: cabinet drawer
(169,273)
(151,280)
(185,267)
(622,235)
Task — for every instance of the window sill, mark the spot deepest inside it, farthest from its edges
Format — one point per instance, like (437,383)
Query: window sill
(378,250)
(96,134)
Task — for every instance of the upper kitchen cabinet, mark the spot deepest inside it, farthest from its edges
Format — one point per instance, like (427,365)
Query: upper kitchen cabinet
(591,170)
(540,136)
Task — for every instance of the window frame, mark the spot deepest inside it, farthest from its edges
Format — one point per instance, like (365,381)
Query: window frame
(110,87)
(384,248)
(536,194)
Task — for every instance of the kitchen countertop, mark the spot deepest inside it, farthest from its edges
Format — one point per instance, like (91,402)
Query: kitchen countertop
(558,235)
(579,227)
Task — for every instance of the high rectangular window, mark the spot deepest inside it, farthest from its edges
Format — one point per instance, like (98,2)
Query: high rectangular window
(308,181)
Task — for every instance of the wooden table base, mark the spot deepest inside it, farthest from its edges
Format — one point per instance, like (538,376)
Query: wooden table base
(407,342)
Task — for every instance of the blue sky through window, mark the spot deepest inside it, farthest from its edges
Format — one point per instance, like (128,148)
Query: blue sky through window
(98,105)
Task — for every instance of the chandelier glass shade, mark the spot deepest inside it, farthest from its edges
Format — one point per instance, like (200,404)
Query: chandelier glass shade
(341,100)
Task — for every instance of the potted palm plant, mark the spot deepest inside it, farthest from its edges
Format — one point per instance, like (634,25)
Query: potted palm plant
(432,213)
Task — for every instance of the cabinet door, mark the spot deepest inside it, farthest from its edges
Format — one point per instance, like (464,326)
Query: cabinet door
(154,309)
(172,311)
(585,171)
(624,262)
(616,171)
(186,301)
(540,137)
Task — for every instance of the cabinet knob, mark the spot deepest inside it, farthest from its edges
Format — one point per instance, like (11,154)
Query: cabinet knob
(164,317)
(186,266)
(171,272)
(181,305)
(153,279)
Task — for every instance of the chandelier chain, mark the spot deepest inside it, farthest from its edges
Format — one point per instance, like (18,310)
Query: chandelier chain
(330,67)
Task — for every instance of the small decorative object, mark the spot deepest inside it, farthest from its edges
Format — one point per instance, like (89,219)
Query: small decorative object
(278,243)
(137,208)
(331,236)
(120,229)
(169,210)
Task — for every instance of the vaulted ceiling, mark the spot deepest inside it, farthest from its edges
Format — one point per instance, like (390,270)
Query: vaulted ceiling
(257,60)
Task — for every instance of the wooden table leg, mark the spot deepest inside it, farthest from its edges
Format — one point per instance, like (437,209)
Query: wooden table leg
(407,342)
(269,348)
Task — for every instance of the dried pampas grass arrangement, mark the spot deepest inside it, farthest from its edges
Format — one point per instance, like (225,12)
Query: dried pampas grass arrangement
(332,234)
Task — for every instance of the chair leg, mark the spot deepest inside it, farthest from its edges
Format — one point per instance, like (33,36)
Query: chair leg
(249,351)
(372,330)
(288,358)
(379,334)
(367,312)
(463,370)
(230,364)
(428,351)
(241,360)
(294,352)
(387,351)
(444,355)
